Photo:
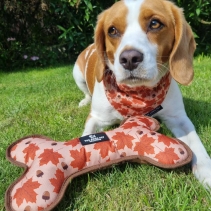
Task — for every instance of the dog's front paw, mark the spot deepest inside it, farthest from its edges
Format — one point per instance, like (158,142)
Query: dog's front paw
(85,101)
(203,173)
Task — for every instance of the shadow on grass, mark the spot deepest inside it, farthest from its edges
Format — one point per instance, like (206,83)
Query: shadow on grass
(198,111)
(72,193)
(77,187)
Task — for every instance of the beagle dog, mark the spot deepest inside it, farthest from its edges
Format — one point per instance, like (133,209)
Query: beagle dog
(142,48)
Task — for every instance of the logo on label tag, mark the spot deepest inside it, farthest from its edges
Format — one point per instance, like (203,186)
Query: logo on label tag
(93,138)
(154,111)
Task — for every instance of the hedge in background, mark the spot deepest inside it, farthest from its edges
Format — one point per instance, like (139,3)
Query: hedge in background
(197,13)
(46,32)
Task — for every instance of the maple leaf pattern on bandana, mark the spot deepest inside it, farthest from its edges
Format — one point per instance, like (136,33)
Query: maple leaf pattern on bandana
(133,101)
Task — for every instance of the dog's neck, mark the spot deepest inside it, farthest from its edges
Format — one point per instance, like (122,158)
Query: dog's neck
(130,101)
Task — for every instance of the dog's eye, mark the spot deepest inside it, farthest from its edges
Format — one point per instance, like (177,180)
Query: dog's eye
(155,24)
(112,31)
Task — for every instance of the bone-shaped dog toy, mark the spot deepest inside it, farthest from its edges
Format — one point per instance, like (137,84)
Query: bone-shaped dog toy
(51,165)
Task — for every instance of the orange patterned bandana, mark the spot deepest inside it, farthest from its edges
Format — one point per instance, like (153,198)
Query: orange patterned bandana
(132,101)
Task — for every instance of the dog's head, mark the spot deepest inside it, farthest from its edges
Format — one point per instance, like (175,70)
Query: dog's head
(140,40)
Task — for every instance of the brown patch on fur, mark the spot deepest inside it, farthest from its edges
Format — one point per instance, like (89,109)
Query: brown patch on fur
(90,68)
(86,62)
(163,38)
(181,58)
(89,117)
(175,41)
(106,46)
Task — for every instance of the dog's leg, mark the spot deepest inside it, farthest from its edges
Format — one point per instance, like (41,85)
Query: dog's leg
(92,125)
(175,118)
(81,83)
(97,123)
(102,114)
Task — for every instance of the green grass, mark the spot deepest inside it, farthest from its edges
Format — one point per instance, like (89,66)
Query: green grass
(44,101)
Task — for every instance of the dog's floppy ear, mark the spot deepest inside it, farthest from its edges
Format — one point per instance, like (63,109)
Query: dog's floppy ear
(99,40)
(181,58)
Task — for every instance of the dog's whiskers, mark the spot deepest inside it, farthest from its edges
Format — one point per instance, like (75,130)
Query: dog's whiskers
(162,68)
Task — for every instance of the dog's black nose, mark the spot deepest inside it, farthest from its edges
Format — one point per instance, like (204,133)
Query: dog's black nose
(130,59)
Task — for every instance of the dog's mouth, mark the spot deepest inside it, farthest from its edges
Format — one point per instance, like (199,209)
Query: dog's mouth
(134,80)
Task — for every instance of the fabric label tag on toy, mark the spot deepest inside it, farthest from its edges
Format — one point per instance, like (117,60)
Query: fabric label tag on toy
(154,111)
(93,138)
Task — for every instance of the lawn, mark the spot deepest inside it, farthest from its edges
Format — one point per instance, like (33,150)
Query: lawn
(44,101)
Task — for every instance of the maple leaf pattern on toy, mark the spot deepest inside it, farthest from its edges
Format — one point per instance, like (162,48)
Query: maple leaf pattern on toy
(58,180)
(30,152)
(49,155)
(26,192)
(123,140)
(50,165)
